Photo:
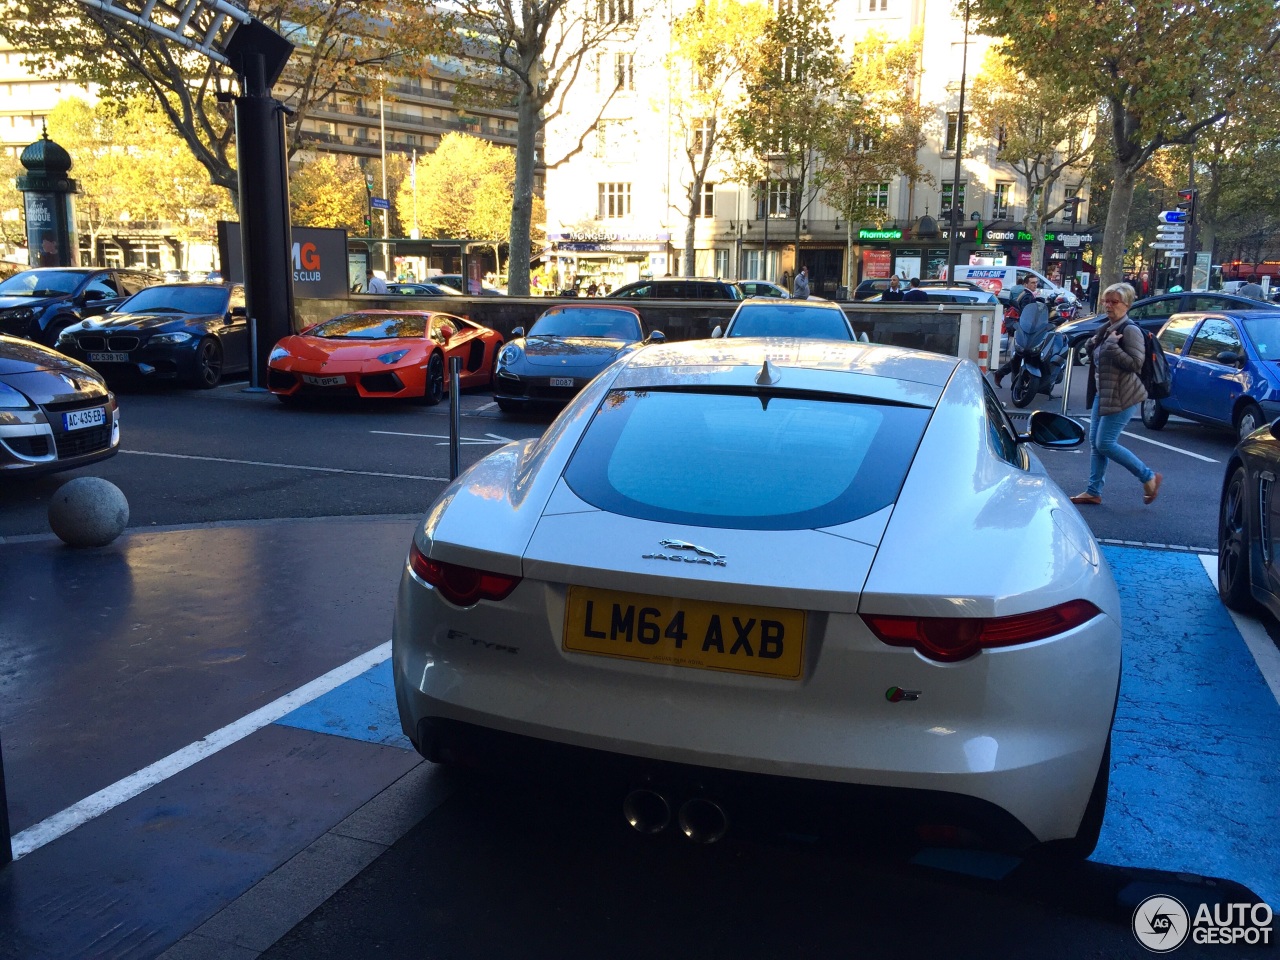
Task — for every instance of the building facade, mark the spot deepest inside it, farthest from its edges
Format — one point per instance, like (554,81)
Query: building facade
(618,210)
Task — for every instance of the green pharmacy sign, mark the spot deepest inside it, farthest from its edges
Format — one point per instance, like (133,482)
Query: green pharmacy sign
(879,234)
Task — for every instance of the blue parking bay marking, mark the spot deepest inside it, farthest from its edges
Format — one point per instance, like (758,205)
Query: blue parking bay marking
(363,708)
(1196,750)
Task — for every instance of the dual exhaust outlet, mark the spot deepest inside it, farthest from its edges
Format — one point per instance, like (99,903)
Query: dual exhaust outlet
(699,819)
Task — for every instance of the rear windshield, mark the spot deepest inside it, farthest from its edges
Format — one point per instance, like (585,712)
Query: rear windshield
(767,320)
(740,460)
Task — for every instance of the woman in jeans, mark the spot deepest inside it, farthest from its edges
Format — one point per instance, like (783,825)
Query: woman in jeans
(1117,351)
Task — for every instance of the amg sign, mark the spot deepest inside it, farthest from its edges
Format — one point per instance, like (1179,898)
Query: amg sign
(319,259)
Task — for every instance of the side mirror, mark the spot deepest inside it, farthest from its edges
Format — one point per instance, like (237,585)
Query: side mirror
(1230,358)
(717,333)
(1053,430)
(517,332)
(239,312)
(91,295)
(656,336)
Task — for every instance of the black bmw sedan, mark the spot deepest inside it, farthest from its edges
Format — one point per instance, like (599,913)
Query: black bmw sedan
(190,332)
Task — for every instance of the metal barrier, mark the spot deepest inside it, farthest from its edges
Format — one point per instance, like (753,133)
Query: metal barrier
(455,413)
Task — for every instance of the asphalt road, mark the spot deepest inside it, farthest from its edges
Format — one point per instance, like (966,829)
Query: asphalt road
(193,457)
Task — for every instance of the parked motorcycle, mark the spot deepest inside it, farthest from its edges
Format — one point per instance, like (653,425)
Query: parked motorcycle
(1040,355)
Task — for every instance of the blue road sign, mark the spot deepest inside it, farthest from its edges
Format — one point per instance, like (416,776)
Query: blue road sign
(1173,216)
(380,203)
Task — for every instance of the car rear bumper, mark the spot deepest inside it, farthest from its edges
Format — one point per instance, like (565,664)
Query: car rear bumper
(1020,729)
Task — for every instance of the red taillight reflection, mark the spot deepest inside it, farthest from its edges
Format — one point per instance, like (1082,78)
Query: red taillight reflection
(949,639)
(461,586)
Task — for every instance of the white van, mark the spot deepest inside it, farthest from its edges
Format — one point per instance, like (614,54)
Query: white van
(997,279)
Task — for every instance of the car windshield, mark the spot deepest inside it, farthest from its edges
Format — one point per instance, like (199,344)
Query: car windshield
(1264,331)
(41,283)
(767,320)
(161,299)
(740,460)
(377,326)
(587,322)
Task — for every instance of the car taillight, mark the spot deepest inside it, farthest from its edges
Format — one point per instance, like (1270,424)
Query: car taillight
(461,586)
(949,639)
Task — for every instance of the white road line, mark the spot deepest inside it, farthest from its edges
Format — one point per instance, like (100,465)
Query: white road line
(63,822)
(488,406)
(1136,436)
(1254,633)
(287,466)
(494,439)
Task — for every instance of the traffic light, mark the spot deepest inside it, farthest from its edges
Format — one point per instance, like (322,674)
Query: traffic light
(1187,201)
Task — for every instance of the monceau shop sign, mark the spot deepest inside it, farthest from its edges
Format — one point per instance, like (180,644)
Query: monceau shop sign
(601,240)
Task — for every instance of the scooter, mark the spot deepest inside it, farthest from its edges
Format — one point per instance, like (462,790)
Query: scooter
(1040,354)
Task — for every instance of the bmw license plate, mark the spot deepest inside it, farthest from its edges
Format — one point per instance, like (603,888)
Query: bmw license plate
(80,419)
(764,641)
(562,381)
(324,381)
(108,358)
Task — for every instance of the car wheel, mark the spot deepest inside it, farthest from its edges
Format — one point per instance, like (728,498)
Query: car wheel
(1022,389)
(1080,355)
(51,334)
(1154,416)
(507,406)
(1083,843)
(208,365)
(1249,419)
(433,391)
(1233,546)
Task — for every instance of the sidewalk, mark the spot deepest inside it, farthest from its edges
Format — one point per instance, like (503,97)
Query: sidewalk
(202,647)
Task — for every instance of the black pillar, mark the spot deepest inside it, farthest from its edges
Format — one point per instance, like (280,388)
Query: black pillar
(6,844)
(265,240)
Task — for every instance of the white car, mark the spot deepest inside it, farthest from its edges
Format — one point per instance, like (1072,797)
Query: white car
(740,569)
(813,318)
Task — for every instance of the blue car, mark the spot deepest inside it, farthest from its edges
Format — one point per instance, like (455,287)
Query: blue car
(1225,370)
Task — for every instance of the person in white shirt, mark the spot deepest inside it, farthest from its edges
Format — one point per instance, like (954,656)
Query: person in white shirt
(374,283)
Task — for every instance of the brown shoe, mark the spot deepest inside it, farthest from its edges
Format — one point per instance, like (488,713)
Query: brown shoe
(1091,498)
(999,377)
(1151,489)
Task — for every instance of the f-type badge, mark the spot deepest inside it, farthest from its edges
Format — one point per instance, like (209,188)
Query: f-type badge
(704,556)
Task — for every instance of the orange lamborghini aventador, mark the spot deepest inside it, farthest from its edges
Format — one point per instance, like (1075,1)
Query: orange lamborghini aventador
(382,353)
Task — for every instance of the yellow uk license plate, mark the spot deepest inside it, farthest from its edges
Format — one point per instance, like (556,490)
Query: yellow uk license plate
(764,641)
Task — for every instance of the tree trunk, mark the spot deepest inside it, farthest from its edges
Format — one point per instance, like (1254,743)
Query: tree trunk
(522,195)
(690,261)
(1123,180)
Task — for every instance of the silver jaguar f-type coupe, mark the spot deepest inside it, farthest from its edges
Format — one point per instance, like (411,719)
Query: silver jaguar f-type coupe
(775,574)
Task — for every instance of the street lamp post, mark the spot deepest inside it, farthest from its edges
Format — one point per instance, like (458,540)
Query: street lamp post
(956,218)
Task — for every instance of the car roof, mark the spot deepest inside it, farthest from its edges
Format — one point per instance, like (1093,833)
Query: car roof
(789,304)
(836,366)
(591,304)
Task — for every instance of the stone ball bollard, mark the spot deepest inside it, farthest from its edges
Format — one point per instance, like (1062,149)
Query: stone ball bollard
(88,512)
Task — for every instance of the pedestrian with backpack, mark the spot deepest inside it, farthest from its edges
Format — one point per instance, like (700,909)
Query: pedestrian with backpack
(1118,351)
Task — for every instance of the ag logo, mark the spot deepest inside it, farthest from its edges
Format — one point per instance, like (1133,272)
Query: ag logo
(1161,924)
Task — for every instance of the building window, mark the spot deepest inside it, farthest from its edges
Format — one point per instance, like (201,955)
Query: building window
(615,11)
(877,5)
(1002,139)
(701,134)
(722,263)
(707,202)
(953,130)
(1000,206)
(615,200)
(947,189)
(618,67)
(776,200)
(874,195)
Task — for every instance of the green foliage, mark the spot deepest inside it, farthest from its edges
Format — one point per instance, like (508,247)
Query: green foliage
(329,191)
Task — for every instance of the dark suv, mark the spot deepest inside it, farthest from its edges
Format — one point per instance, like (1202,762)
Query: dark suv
(39,304)
(678,288)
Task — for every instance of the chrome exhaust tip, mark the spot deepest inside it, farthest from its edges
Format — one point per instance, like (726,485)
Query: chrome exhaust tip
(703,821)
(647,811)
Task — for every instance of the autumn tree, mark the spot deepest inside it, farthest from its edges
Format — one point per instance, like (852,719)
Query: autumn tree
(540,49)
(328,190)
(711,44)
(341,45)
(1163,73)
(12,235)
(876,134)
(1045,132)
(793,85)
